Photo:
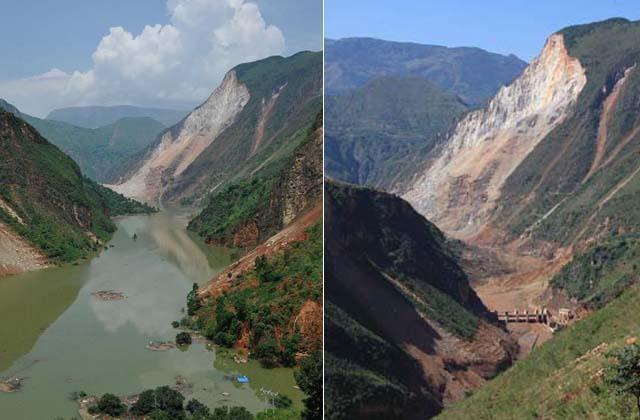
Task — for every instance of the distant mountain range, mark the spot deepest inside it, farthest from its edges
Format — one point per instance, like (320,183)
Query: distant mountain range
(99,116)
(100,152)
(471,73)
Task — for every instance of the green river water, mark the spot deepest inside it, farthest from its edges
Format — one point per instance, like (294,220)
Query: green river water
(61,338)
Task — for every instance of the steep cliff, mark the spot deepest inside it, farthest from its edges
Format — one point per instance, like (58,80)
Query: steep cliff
(248,127)
(245,214)
(405,331)
(49,211)
(552,159)
(179,146)
(461,187)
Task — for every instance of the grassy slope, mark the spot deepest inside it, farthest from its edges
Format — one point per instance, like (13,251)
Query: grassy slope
(602,272)
(379,134)
(48,191)
(605,49)
(560,379)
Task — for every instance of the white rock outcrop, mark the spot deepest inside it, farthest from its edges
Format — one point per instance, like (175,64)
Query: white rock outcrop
(181,145)
(459,188)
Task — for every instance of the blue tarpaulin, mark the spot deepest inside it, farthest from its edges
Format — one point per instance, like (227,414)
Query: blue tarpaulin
(243,379)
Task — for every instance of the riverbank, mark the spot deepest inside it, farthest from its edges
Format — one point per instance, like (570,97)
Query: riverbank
(55,322)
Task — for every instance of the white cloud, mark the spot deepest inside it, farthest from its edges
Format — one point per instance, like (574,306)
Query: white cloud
(164,65)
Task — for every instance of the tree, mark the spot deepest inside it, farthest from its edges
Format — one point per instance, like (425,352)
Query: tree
(233,413)
(159,415)
(183,338)
(193,302)
(111,405)
(309,379)
(266,351)
(197,409)
(624,375)
(146,403)
(170,401)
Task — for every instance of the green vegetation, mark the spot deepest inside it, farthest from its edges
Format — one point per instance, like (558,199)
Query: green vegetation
(309,379)
(602,272)
(624,375)
(258,202)
(193,303)
(230,208)
(110,405)
(100,152)
(183,338)
(563,378)
(381,134)
(164,403)
(55,204)
(269,306)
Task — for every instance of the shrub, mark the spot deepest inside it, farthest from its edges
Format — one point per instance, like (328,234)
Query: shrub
(183,338)
(111,405)
(197,409)
(193,302)
(309,379)
(146,403)
(282,401)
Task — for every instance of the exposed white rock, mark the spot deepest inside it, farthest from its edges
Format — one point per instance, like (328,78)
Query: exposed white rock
(461,185)
(181,145)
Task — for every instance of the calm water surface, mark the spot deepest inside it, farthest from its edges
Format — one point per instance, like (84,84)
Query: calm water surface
(59,337)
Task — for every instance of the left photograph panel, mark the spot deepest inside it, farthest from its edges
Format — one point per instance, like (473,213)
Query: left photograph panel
(161,210)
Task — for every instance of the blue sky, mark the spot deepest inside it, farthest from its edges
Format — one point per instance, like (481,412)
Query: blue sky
(504,26)
(63,52)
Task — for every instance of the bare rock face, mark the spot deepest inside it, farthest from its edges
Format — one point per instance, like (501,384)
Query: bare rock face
(178,147)
(460,187)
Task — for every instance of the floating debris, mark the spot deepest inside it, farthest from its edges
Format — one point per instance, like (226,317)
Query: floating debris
(160,345)
(225,394)
(10,384)
(109,295)
(182,385)
(242,379)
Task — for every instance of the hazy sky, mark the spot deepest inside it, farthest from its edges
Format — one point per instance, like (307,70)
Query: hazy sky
(169,53)
(504,26)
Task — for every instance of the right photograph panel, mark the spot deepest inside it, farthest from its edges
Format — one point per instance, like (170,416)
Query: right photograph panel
(482,210)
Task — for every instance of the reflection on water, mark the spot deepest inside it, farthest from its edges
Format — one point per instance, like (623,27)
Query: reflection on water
(99,346)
